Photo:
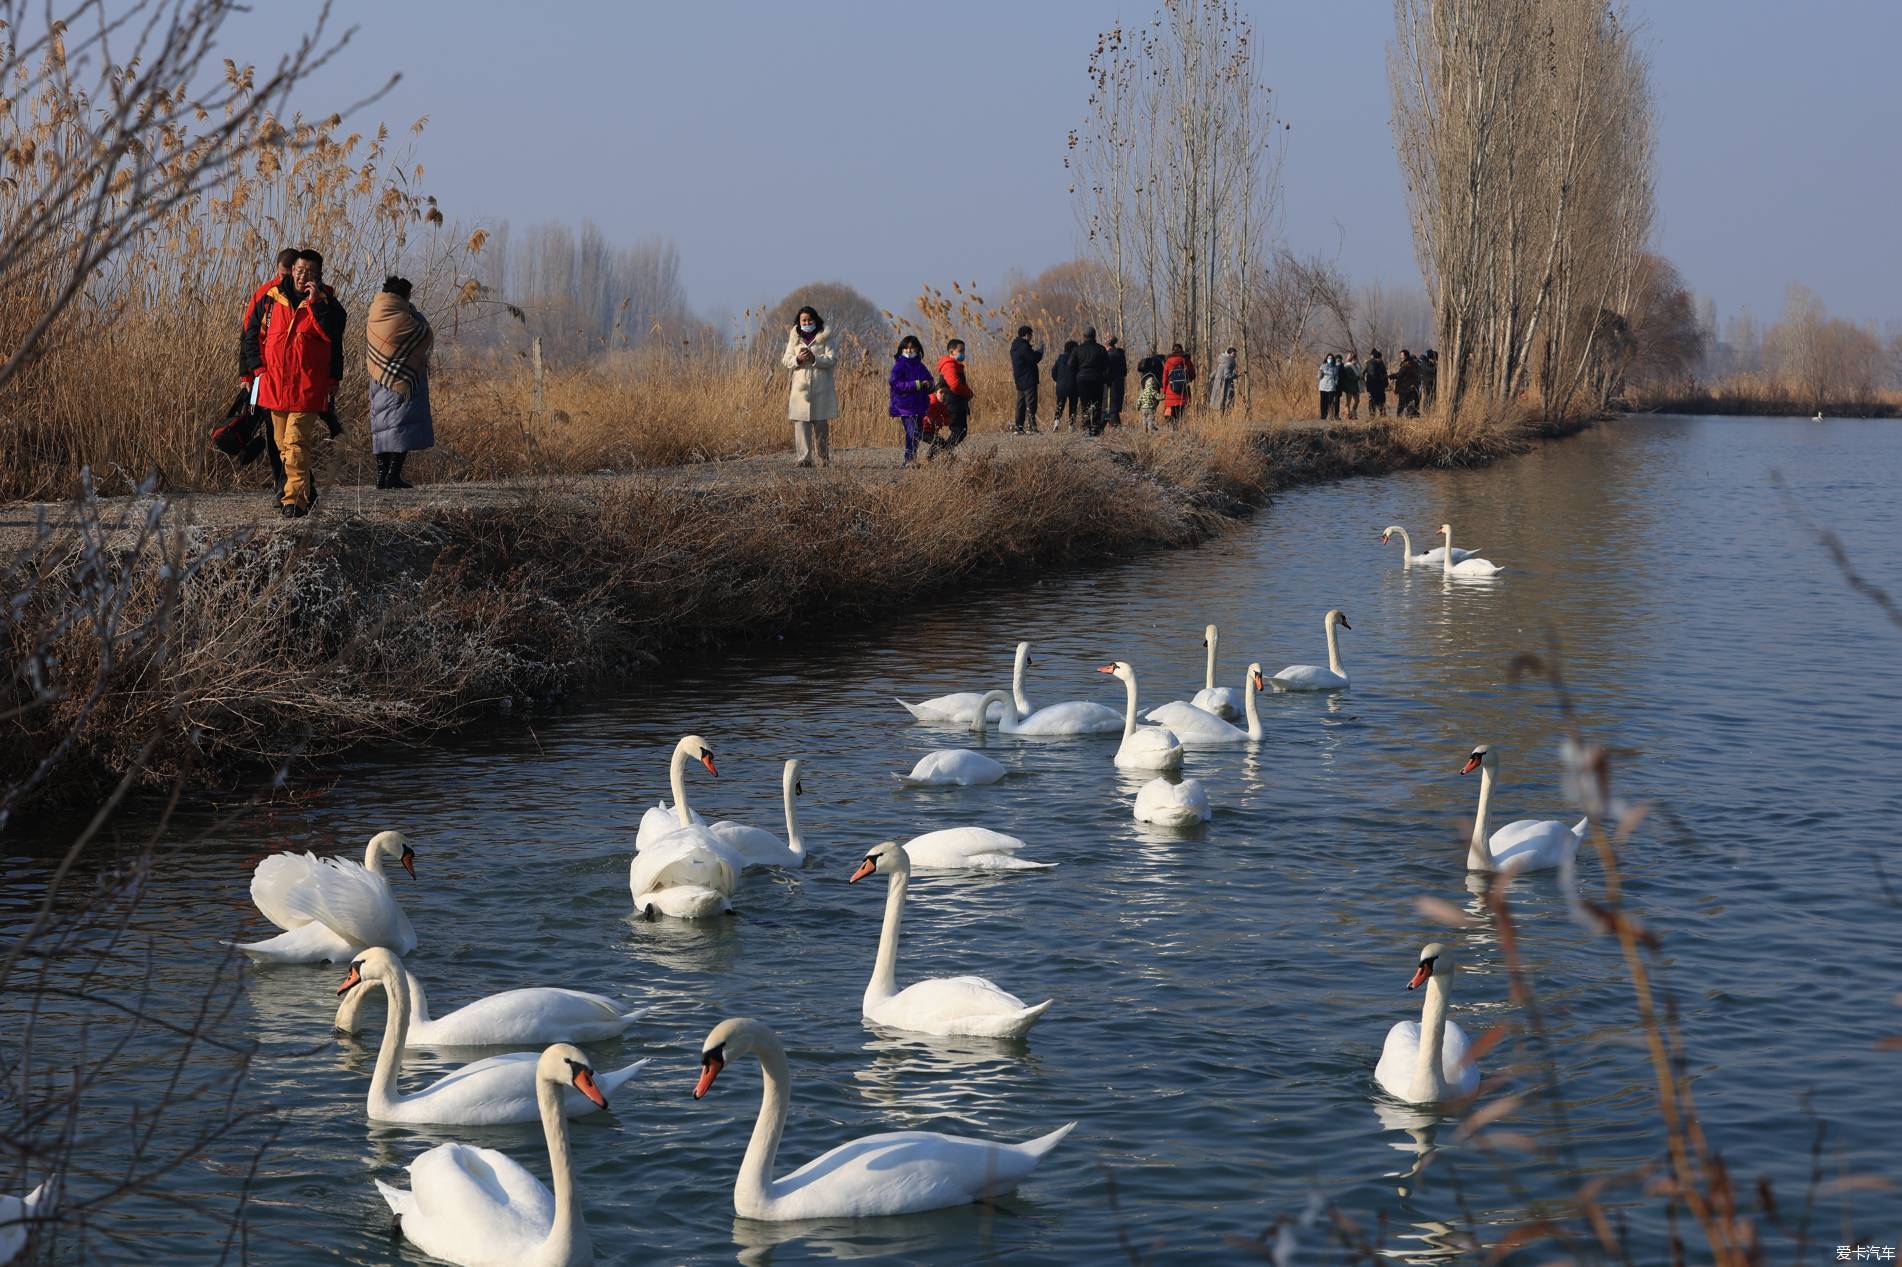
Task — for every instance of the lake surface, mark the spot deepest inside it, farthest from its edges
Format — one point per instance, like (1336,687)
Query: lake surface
(1221,995)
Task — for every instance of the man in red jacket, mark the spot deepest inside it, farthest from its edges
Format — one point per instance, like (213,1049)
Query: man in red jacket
(957,391)
(251,359)
(299,327)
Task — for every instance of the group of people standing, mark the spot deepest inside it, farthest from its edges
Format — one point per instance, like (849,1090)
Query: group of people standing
(1342,382)
(290,364)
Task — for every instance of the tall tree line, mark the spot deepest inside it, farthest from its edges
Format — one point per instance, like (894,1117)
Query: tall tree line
(583,294)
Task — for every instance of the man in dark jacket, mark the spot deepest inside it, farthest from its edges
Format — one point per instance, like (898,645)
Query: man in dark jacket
(1406,387)
(1374,378)
(251,361)
(1429,377)
(1091,366)
(1117,379)
(1023,372)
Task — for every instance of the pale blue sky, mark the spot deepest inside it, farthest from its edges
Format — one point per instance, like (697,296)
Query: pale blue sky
(892,144)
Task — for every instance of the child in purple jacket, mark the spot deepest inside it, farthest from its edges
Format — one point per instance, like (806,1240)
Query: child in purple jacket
(911,391)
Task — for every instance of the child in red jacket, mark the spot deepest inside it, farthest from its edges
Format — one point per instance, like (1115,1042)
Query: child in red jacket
(955,393)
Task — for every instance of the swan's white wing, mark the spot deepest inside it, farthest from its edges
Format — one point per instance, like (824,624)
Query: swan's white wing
(1533,844)
(661,820)
(493,1092)
(905,1172)
(536,1016)
(1455,1063)
(1395,1070)
(959,707)
(946,997)
(310,943)
(1308,677)
(1172,804)
(1475,567)
(952,846)
(1074,717)
(958,766)
(686,856)
(475,1205)
(1194,726)
(753,846)
(1150,748)
(1223,701)
(355,904)
(276,879)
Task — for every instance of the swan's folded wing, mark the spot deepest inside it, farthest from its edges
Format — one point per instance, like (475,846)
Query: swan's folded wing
(1456,1060)
(1397,1056)
(957,996)
(901,1172)
(310,942)
(275,882)
(487,1195)
(541,1014)
(685,856)
(954,846)
(1073,717)
(660,821)
(752,846)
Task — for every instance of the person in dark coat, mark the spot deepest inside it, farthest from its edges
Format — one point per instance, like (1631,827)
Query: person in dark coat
(1406,386)
(1063,373)
(1350,387)
(1090,364)
(1151,365)
(1374,379)
(1024,359)
(1429,377)
(910,392)
(1117,380)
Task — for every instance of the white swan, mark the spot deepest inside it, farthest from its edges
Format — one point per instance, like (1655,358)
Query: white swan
(969,849)
(897,1172)
(686,873)
(1223,701)
(1143,747)
(757,847)
(331,908)
(1169,804)
(526,1018)
(1425,1072)
(1073,717)
(482,1208)
(1469,564)
(965,1007)
(1431,558)
(18,1215)
(952,767)
(493,1092)
(664,819)
(1196,727)
(961,707)
(1528,844)
(1312,677)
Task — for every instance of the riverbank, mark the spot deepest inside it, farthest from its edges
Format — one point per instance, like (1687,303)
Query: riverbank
(1723,404)
(194,644)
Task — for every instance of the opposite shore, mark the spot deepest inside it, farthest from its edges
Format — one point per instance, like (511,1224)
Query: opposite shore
(198,645)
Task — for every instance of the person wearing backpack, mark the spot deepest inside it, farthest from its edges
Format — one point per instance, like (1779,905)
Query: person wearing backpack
(1374,379)
(1177,373)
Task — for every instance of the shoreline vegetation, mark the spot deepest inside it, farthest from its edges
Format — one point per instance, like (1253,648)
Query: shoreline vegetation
(1719,403)
(160,650)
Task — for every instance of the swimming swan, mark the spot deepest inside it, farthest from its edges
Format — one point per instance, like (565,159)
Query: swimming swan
(1438,1068)
(897,1172)
(1073,717)
(512,1018)
(969,849)
(1143,747)
(961,707)
(1198,728)
(1469,565)
(1167,804)
(331,908)
(757,847)
(1311,677)
(1527,844)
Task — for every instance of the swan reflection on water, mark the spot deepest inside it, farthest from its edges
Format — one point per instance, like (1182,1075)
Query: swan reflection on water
(710,945)
(910,1238)
(924,1081)
(1438,1243)
(1421,1125)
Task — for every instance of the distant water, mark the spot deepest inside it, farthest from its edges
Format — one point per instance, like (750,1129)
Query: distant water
(1221,996)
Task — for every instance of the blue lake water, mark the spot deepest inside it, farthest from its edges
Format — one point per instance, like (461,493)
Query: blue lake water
(1222,994)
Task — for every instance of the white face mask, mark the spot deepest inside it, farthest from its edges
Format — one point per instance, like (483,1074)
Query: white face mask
(911,354)
(806,327)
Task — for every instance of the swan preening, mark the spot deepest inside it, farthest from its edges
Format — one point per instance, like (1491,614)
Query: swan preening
(969,849)
(1310,677)
(1196,727)
(969,1007)
(1425,1061)
(1431,558)
(528,1017)
(1468,565)
(952,767)
(1224,701)
(685,873)
(962,706)
(482,1208)
(1074,717)
(1166,804)
(1143,747)
(331,908)
(898,1172)
(492,1092)
(1526,844)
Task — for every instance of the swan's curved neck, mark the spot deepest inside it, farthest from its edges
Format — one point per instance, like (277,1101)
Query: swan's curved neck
(568,1234)
(789,783)
(1129,712)
(1446,560)
(373,860)
(1208,672)
(1010,713)
(752,1190)
(1429,1070)
(1478,856)
(389,1060)
(350,1011)
(1017,680)
(884,982)
(1406,542)
(677,777)
(1248,704)
(1334,649)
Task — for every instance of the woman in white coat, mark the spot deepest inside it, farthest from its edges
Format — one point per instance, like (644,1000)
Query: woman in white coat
(814,402)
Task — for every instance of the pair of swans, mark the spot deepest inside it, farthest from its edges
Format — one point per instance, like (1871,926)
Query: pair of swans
(963,707)
(1426,1061)
(896,1172)
(1526,844)
(687,868)
(481,1208)
(1196,727)
(499,1091)
(746,845)
(331,908)
(968,1007)
(1450,561)
(513,1018)
(1073,717)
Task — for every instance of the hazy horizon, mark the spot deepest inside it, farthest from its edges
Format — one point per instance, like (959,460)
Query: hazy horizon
(922,149)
